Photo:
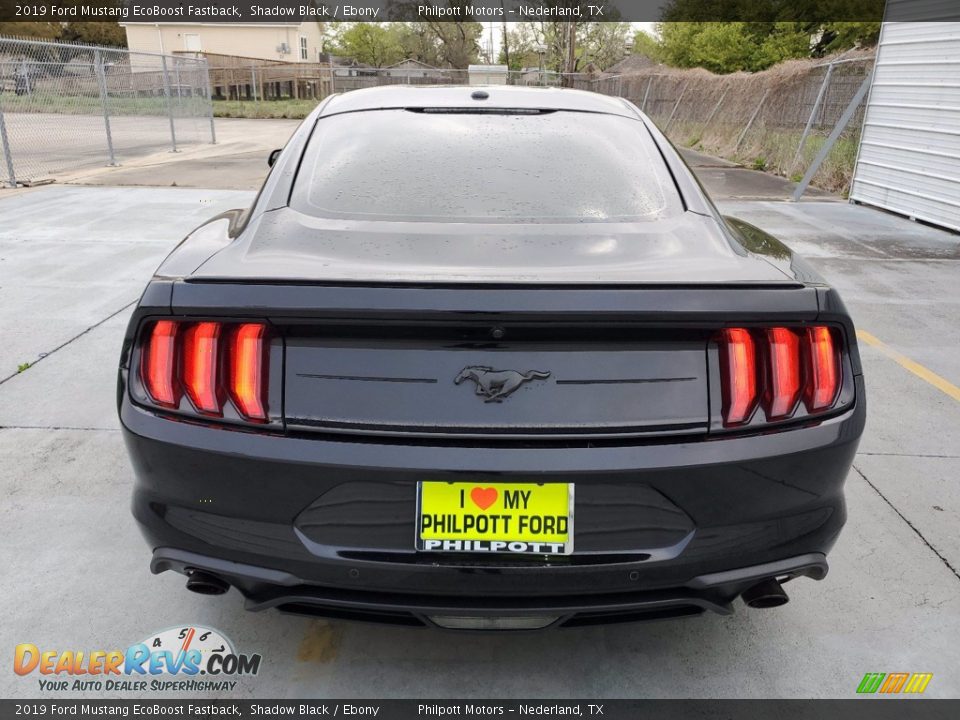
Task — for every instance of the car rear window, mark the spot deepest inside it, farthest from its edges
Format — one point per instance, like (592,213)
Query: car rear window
(463,166)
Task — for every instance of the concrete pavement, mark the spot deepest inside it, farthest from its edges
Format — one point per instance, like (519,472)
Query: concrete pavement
(238,162)
(79,568)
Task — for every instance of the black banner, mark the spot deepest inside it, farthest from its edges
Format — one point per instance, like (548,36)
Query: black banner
(872,709)
(258,11)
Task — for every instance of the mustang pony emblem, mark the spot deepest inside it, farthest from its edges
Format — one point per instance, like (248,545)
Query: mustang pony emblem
(494,385)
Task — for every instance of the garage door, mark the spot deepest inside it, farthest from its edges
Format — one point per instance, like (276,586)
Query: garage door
(909,160)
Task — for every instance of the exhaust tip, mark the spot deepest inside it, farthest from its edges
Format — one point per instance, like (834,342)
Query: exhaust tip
(206,584)
(767,594)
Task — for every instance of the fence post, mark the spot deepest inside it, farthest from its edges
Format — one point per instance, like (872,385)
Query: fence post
(176,73)
(813,113)
(102,84)
(715,109)
(25,71)
(209,89)
(643,106)
(166,92)
(753,117)
(828,145)
(7,153)
(676,105)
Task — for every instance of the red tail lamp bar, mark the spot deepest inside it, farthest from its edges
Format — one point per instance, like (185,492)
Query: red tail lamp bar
(783,390)
(200,361)
(779,365)
(158,367)
(821,389)
(248,365)
(209,361)
(739,367)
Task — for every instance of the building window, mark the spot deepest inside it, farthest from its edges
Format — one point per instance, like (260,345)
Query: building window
(303,48)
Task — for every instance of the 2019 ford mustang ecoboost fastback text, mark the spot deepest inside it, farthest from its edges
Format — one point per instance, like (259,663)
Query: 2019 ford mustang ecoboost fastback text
(488,358)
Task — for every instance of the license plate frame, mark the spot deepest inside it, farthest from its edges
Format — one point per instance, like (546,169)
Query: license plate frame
(508,542)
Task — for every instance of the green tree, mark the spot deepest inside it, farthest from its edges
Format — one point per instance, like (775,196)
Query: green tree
(646,44)
(730,35)
(523,46)
(602,43)
(39,30)
(725,47)
(97,33)
(457,43)
(415,42)
(370,43)
(843,35)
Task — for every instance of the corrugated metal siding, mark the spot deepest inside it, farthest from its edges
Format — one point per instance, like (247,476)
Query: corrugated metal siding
(909,159)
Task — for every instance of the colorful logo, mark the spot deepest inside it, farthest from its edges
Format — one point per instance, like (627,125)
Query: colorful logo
(181,651)
(893,683)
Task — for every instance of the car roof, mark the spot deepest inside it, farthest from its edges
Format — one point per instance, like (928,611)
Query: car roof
(460,96)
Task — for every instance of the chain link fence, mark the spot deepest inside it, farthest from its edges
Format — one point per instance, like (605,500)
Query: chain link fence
(251,87)
(777,120)
(65,107)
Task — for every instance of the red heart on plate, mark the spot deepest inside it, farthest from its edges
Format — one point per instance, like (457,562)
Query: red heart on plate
(484,497)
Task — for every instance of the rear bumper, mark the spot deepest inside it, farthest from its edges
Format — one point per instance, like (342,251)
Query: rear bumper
(266,589)
(697,522)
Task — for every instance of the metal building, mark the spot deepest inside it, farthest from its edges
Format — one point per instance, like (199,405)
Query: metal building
(909,157)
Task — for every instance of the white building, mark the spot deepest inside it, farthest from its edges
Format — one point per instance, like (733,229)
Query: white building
(909,157)
(289,42)
(487,74)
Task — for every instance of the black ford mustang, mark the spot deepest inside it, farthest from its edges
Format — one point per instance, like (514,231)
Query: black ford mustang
(488,358)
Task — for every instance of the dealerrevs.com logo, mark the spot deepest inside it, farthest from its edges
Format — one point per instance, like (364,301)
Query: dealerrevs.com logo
(894,683)
(187,659)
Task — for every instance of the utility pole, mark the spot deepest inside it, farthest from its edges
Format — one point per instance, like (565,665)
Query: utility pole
(506,43)
(571,50)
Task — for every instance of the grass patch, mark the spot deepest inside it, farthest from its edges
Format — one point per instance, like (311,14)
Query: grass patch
(293,109)
(155,106)
(39,102)
(773,150)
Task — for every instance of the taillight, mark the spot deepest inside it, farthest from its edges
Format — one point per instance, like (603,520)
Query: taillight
(200,361)
(209,362)
(739,364)
(248,364)
(824,380)
(783,390)
(158,367)
(788,364)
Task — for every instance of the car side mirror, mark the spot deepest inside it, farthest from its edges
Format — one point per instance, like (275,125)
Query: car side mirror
(274,154)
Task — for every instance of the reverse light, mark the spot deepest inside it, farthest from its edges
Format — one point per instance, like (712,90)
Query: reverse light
(200,361)
(824,375)
(248,370)
(158,366)
(784,387)
(214,364)
(739,367)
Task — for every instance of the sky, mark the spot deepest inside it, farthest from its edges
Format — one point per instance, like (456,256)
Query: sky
(497,28)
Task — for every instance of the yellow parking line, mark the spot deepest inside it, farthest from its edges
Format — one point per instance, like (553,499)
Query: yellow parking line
(940,383)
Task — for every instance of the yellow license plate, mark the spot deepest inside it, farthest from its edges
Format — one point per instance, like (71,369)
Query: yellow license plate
(495,517)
